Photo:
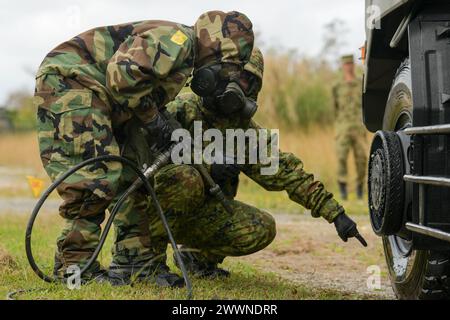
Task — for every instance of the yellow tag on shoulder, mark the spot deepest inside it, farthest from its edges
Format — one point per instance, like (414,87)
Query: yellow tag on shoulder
(179,38)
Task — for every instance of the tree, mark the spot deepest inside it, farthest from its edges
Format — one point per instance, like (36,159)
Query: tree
(21,110)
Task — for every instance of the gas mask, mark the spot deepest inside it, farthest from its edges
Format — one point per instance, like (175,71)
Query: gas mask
(221,92)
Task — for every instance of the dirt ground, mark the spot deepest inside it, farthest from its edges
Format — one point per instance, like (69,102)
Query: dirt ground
(305,250)
(308,251)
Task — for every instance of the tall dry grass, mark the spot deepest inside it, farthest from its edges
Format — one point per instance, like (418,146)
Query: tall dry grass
(20,150)
(296,92)
(315,146)
(296,98)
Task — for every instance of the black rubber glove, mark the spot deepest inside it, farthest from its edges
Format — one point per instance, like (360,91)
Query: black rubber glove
(221,173)
(346,228)
(160,132)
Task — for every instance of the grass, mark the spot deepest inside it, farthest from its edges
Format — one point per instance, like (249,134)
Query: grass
(295,98)
(246,281)
(296,91)
(20,151)
(315,146)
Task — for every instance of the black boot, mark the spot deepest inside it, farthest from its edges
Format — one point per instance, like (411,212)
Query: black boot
(158,273)
(198,268)
(343,190)
(360,191)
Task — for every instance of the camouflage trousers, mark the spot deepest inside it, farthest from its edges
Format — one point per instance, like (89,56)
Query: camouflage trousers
(351,140)
(74,125)
(196,220)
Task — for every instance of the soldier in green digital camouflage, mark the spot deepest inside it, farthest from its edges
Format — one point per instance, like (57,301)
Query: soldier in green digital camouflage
(350,132)
(88,89)
(207,232)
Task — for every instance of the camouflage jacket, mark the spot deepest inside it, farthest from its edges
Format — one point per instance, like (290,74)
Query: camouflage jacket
(291,177)
(347,102)
(132,67)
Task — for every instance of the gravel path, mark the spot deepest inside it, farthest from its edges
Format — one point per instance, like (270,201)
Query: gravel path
(308,251)
(24,205)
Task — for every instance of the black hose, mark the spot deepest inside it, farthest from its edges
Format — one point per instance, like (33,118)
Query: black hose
(109,222)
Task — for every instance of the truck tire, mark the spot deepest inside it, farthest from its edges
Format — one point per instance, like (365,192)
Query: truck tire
(414,274)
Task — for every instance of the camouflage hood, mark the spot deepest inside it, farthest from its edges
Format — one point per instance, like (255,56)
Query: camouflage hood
(256,64)
(223,37)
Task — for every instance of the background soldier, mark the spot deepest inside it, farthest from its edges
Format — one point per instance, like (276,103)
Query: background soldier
(87,90)
(198,220)
(350,132)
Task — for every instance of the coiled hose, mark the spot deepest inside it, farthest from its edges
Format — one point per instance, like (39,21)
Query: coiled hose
(143,181)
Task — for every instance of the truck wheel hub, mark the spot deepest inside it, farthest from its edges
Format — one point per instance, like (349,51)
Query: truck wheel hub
(385,183)
(377,192)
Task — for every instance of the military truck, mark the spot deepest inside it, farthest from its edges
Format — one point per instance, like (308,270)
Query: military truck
(406,103)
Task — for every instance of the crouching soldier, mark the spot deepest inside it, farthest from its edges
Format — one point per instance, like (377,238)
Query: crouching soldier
(88,89)
(199,222)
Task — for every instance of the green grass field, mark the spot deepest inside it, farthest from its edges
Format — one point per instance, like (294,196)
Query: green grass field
(296,98)
(246,281)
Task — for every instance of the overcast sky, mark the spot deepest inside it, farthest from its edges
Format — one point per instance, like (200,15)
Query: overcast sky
(29,29)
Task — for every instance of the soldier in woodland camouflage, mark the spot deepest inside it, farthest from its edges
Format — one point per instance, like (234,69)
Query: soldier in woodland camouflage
(88,89)
(350,132)
(199,222)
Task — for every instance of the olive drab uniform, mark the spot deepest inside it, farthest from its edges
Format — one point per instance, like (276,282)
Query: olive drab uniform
(87,90)
(350,133)
(198,220)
